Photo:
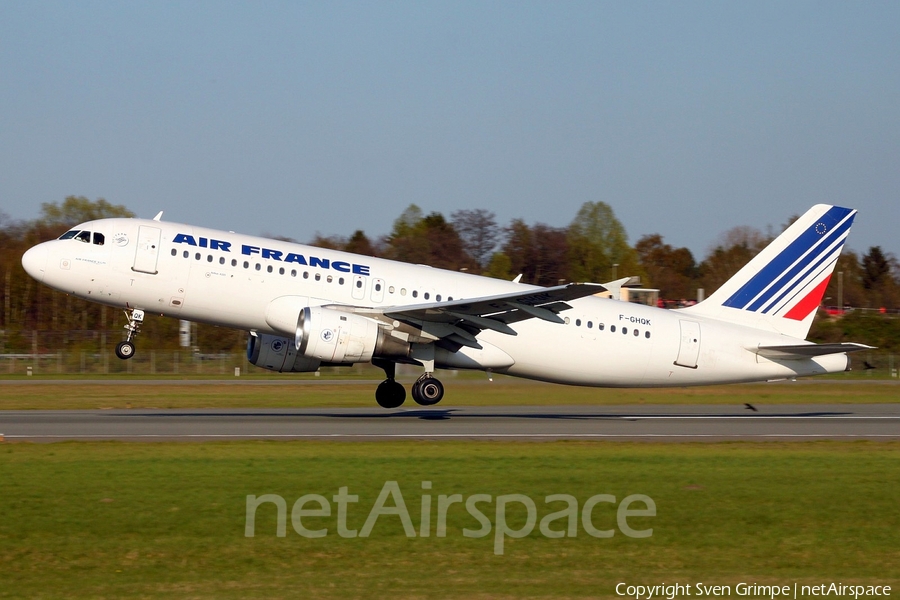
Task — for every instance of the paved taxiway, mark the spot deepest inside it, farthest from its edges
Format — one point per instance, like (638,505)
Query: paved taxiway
(631,422)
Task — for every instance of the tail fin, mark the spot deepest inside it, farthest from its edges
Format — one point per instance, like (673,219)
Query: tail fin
(780,289)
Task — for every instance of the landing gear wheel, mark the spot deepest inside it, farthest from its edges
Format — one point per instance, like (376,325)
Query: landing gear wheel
(125,350)
(427,391)
(390,394)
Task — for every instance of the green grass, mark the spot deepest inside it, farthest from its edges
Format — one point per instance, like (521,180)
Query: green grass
(118,520)
(504,391)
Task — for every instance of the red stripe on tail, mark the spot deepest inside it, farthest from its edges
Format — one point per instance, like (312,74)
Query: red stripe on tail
(808,304)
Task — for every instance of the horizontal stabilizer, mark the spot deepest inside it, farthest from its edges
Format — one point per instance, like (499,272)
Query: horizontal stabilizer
(805,351)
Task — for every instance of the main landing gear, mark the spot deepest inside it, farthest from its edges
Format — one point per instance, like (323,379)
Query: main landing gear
(125,350)
(426,391)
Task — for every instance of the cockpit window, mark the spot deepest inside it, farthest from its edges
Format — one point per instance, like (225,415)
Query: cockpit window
(84,236)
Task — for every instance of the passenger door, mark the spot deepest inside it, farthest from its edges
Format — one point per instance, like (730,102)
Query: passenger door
(147,252)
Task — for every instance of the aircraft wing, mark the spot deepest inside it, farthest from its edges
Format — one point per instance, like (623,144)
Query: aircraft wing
(457,322)
(804,351)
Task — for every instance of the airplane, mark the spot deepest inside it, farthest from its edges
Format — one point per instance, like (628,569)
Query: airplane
(306,307)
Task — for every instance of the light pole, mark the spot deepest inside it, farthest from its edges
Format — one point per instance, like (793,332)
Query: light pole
(840,292)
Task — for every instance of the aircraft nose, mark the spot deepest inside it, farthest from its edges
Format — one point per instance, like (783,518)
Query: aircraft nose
(35,261)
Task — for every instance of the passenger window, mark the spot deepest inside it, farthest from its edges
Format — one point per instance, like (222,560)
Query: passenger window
(359,284)
(341,281)
(233,262)
(624,331)
(293,272)
(612,328)
(391,289)
(246,265)
(318,277)
(415,293)
(577,322)
(647,334)
(174,251)
(636,333)
(258,267)
(281,270)
(427,295)
(402,291)
(377,287)
(209,258)
(197,256)
(600,326)
(186,254)
(329,279)
(99,239)
(438,298)
(590,324)
(305,274)
(269,269)
(221,260)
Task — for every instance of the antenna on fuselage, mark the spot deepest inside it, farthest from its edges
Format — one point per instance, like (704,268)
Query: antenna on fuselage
(158,216)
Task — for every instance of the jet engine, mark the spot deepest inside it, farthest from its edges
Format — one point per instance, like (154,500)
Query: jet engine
(278,354)
(337,337)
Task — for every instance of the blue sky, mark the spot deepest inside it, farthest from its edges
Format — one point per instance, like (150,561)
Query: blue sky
(292,118)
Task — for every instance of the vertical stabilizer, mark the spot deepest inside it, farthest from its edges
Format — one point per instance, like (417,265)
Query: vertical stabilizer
(780,289)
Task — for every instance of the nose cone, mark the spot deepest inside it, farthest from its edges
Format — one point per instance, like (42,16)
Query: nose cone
(35,261)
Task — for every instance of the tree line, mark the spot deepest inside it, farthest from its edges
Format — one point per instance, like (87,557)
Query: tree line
(593,247)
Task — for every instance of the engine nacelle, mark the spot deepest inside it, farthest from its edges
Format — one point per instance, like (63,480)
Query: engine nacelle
(278,354)
(338,337)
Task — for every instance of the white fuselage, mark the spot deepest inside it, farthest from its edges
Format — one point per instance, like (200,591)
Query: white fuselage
(230,279)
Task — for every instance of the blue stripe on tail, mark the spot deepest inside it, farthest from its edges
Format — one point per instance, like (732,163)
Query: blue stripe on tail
(790,255)
(830,245)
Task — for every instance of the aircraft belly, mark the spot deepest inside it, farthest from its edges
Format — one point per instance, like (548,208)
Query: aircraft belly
(560,354)
(488,357)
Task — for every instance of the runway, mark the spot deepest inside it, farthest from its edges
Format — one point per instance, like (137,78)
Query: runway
(632,422)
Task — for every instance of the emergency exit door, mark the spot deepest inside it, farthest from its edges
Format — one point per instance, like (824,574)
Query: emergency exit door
(689,349)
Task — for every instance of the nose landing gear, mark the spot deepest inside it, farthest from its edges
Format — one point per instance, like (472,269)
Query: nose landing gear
(125,350)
